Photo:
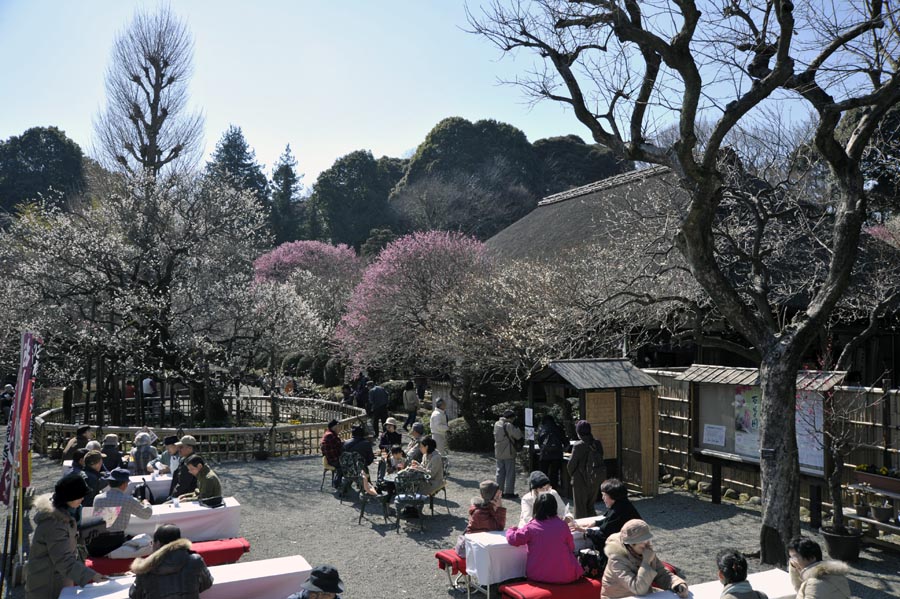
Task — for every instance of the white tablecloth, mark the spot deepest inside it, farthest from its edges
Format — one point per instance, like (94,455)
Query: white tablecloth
(490,559)
(265,579)
(774,583)
(196,522)
(159,487)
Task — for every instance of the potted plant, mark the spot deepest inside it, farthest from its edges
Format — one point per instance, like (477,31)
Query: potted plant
(860,504)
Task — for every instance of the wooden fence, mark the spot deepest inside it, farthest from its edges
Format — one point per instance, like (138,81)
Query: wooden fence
(284,426)
(875,428)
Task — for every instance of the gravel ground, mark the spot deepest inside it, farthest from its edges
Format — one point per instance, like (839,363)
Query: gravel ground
(284,513)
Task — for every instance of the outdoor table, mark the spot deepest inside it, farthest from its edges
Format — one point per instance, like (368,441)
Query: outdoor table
(581,542)
(264,579)
(197,523)
(67,467)
(774,583)
(490,559)
(159,487)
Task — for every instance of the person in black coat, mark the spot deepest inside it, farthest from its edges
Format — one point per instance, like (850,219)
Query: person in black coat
(360,445)
(618,511)
(552,441)
(172,571)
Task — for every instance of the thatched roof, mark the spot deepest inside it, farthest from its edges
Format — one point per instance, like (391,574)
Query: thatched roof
(571,219)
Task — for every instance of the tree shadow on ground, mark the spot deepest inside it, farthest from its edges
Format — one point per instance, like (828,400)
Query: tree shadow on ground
(675,511)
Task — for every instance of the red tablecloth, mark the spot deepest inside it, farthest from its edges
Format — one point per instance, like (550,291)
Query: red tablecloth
(215,553)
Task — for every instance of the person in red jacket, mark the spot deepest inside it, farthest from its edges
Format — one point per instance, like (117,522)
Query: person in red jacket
(485,514)
(332,447)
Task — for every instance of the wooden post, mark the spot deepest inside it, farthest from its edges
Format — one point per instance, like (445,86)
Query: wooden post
(531,453)
(886,421)
(815,505)
(68,392)
(716,487)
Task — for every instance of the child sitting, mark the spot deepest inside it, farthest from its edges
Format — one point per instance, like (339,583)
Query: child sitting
(485,514)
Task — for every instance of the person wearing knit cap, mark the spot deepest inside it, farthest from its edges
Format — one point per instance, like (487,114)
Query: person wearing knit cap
(586,470)
(485,514)
(143,453)
(53,561)
(113,457)
(539,483)
(93,470)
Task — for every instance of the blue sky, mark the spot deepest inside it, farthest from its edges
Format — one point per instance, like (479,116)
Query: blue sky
(327,77)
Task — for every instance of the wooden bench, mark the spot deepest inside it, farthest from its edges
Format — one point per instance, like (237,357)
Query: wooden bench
(214,553)
(583,588)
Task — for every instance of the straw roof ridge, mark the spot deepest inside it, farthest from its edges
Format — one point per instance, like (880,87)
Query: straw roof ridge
(604,184)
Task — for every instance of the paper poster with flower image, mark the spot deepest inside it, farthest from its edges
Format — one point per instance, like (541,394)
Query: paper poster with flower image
(746,420)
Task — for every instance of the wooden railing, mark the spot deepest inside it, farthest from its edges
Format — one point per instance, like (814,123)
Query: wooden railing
(281,426)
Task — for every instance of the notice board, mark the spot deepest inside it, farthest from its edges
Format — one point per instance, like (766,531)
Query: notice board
(729,419)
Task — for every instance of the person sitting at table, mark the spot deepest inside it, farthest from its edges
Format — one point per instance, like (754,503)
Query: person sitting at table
(390,436)
(551,549)
(208,484)
(53,561)
(172,571)
(432,464)
(814,578)
(397,461)
(360,445)
(183,482)
(143,453)
(112,456)
(117,496)
(539,483)
(331,447)
(633,567)
(78,461)
(323,583)
(619,510)
(93,462)
(415,435)
(83,435)
(94,445)
(732,566)
(485,514)
(169,460)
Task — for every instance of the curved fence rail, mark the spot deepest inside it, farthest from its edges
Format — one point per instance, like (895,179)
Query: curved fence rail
(283,426)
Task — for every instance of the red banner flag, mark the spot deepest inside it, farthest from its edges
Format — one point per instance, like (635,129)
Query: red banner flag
(17,450)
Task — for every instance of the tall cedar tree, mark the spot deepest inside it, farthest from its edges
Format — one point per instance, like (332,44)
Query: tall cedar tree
(285,195)
(234,163)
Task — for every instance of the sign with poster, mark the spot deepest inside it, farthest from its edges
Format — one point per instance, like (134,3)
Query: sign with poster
(730,419)
(746,420)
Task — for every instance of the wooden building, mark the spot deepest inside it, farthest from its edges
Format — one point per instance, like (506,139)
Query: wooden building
(619,401)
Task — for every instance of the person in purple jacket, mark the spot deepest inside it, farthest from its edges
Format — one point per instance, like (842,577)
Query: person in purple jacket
(551,549)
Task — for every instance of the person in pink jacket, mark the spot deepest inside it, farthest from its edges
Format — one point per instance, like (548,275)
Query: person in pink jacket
(551,549)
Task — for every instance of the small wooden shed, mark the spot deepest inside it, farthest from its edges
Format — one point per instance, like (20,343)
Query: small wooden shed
(620,402)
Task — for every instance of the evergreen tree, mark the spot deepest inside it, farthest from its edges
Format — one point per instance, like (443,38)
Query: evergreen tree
(234,164)
(285,192)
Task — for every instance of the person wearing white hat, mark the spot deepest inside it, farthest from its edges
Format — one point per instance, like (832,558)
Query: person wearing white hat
(390,437)
(633,567)
(183,481)
(440,425)
(143,453)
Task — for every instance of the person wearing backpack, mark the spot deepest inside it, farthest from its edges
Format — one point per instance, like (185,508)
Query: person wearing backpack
(552,441)
(586,469)
(506,436)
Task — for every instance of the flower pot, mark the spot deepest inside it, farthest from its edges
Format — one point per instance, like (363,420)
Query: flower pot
(862,509)
(844,547)
(876,481)
(883,514)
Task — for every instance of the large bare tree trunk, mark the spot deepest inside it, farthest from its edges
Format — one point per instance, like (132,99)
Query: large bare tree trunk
(778,457)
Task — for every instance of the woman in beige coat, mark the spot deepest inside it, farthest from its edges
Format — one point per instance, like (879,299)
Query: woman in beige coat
(53,561)
(814,578)
(633,568)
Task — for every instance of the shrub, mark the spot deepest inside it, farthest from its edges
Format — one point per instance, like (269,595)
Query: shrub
(304,364)
(395,394)
(462,438)
(334,373)
(317,368)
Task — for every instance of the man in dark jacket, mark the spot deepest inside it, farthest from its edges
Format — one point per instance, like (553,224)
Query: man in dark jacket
(183,482)
(93,464)
(172,571)
(82,435)
(378,406)
(618,511)
(360,445)
(553,441)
